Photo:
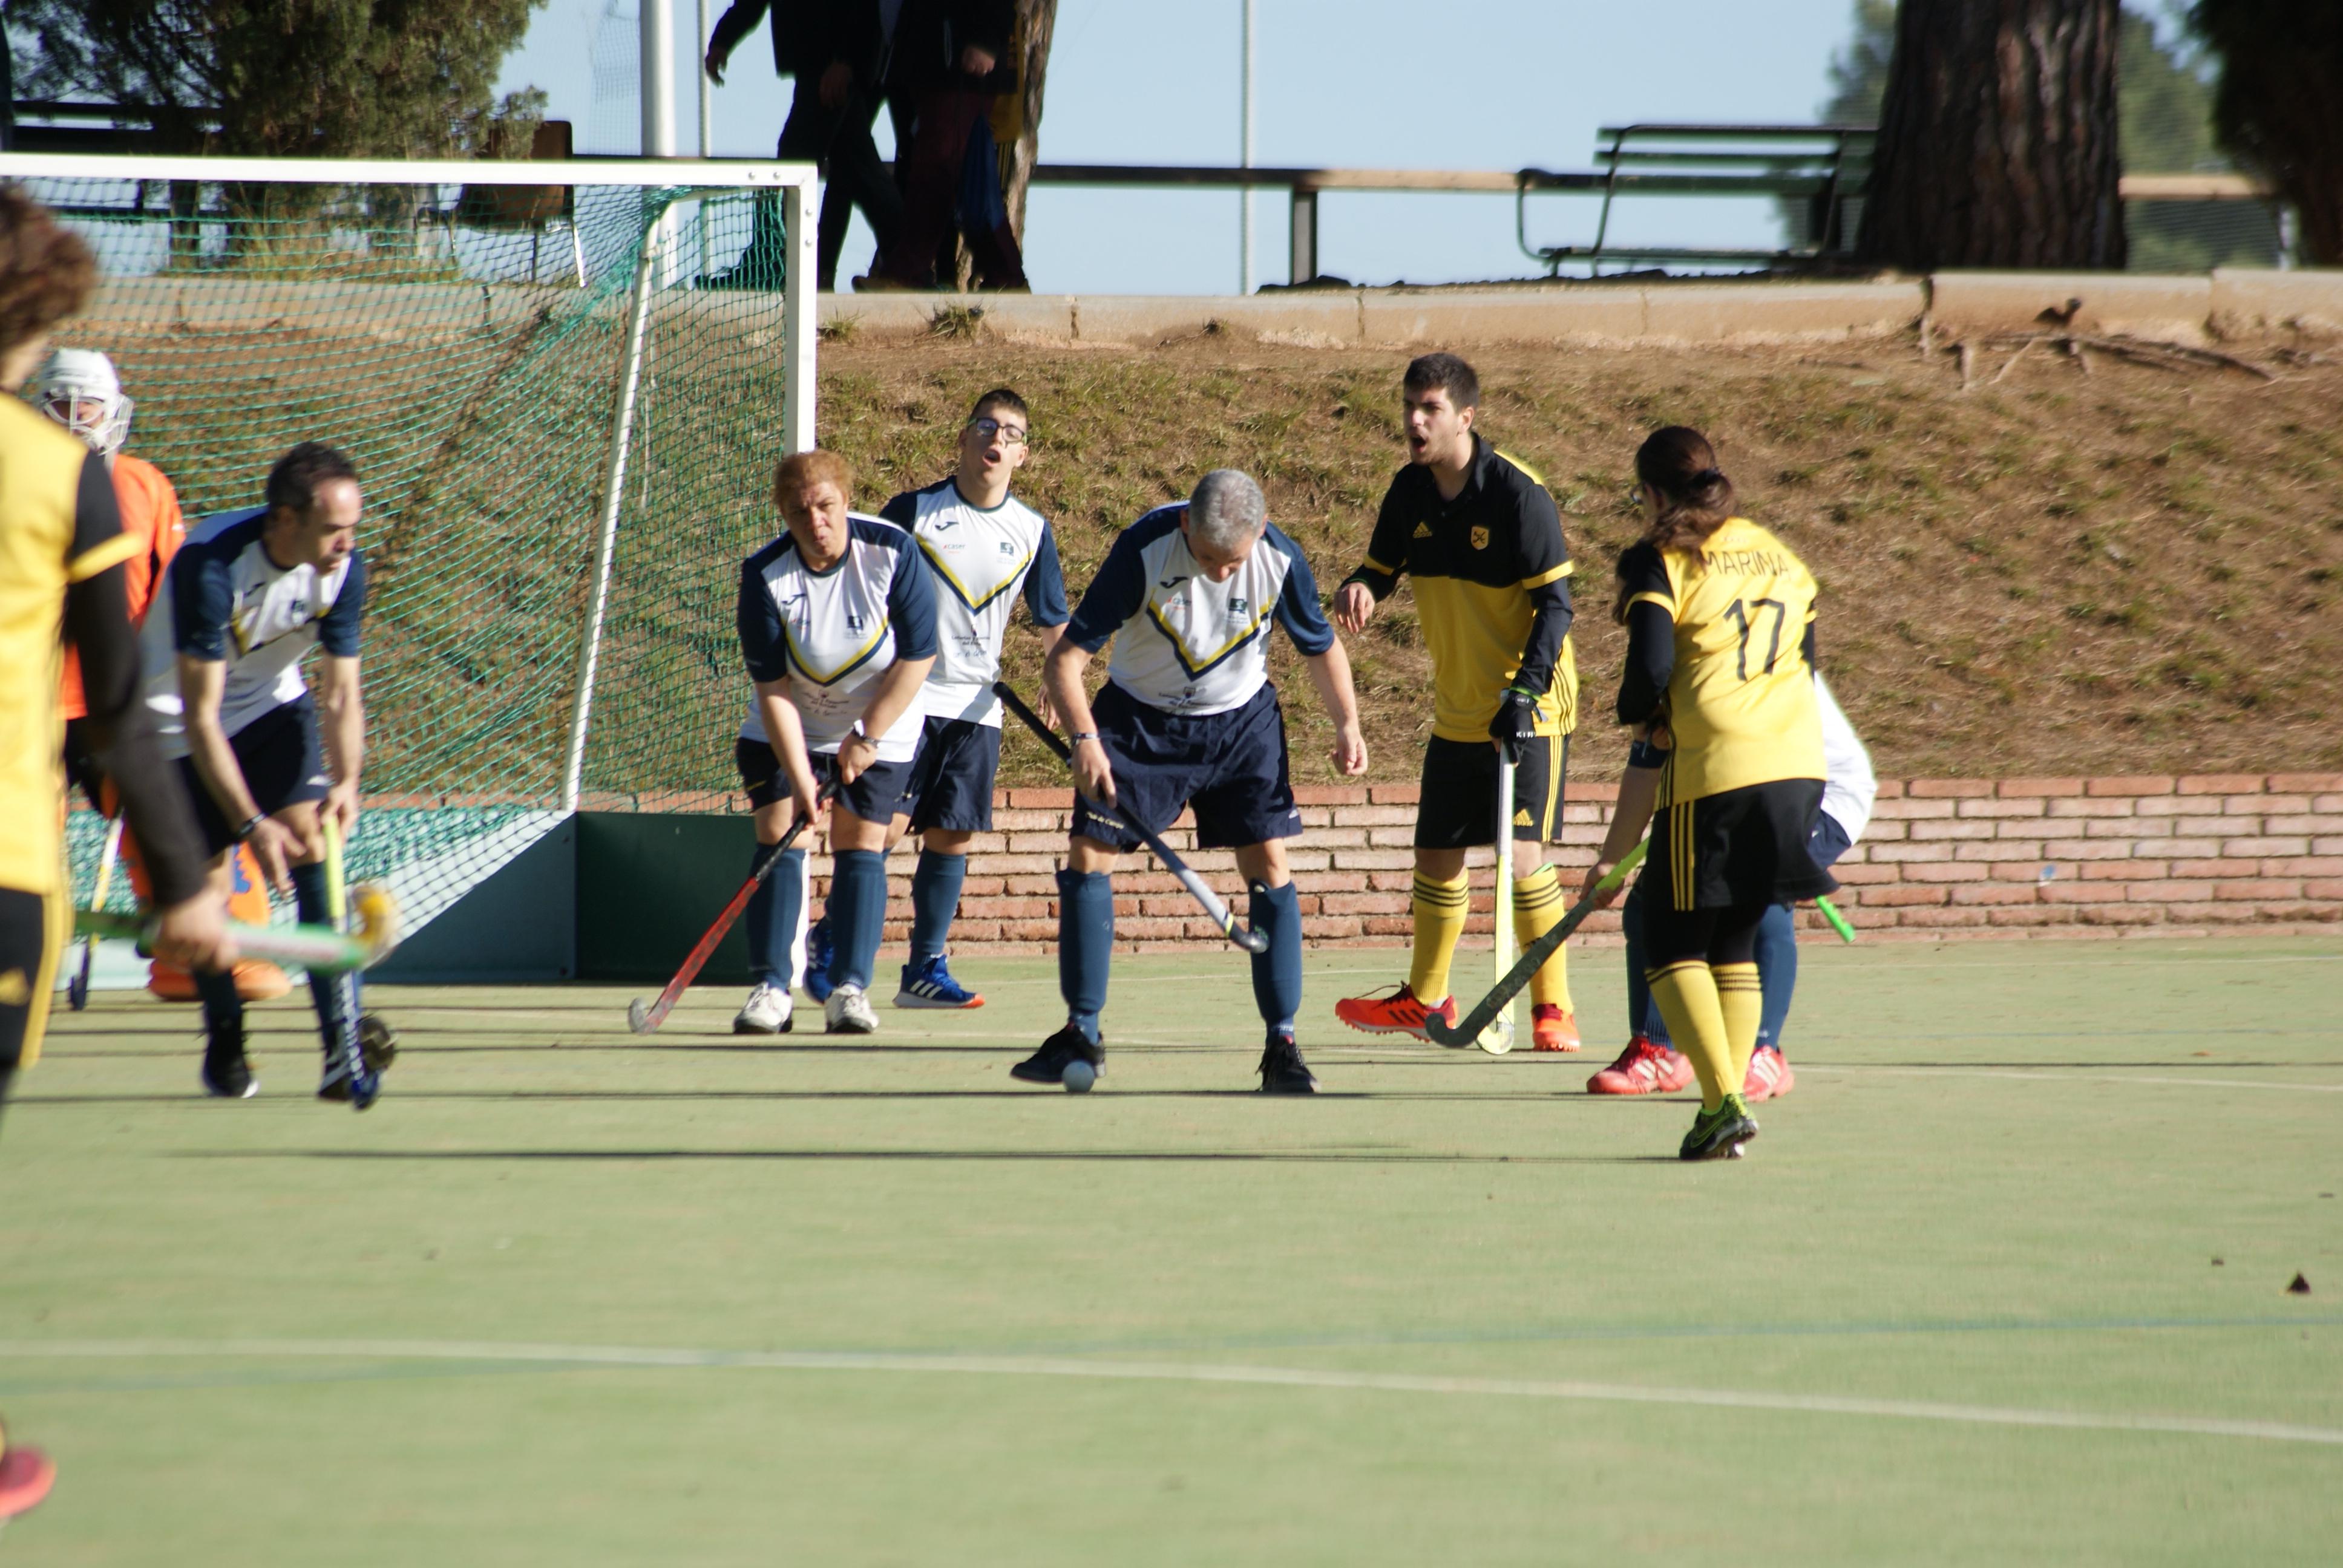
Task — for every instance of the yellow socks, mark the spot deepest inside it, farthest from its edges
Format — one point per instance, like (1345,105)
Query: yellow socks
(1538,907)
(1438,910)
(1742,1001)
(1688,998)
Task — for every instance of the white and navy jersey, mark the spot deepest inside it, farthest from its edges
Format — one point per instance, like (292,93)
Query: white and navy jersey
(833,634)
(978,558)
(1849,787)
(1182,642)
(223,599)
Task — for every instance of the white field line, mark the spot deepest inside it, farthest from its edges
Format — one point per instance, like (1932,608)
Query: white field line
(1154,1372)
(2056,1075)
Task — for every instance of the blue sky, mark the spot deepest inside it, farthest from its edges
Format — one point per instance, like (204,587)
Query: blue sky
(1468,83)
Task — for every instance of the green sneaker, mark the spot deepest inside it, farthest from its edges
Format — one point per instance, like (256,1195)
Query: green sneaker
(1719,1134)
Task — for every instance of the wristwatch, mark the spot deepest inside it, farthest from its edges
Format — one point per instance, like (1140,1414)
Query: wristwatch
(251,825)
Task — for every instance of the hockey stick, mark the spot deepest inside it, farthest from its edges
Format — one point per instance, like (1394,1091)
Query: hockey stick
(1498,1038)
(364,1078)
(1470,1028)
(1252,941)
(643,1018)
(77,989)
(320,948)
(1837,921)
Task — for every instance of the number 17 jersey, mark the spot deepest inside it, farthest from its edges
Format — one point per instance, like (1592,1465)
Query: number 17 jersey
(1741,698)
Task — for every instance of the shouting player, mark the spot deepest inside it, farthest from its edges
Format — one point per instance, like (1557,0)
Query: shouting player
(62,558)
(838,627)
(1480,539)
(1188,719)
(247,597)
(1720,684)
(982,545)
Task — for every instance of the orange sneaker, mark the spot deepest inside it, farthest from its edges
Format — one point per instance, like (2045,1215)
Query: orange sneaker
(1399,1014)
(1769,1076)
(25,1476)
(256,979)
(1645,1067)
(1551,1028)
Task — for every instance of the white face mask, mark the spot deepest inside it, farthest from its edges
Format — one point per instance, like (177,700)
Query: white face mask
(78,389)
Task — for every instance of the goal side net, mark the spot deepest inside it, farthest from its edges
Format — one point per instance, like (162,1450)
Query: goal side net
(564,385)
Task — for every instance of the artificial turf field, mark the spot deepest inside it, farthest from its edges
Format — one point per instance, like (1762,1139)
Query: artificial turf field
(2004,1279)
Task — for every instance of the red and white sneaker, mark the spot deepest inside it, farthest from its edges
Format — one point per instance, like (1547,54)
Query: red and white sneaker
(1645,1067)
(1769,1076)
(1551,1029)
(25,1476)
(1399,1014)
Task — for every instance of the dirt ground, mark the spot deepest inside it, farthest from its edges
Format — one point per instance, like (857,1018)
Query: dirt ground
(2075,564)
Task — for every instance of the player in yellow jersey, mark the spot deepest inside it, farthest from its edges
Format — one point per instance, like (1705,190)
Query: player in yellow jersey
(1477,535)
(1720,683)
(61,550)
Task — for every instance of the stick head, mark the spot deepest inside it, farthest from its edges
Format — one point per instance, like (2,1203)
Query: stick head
(638,1017)
(1252,941)
(1437,1031)
(376,912)
(1498,1038)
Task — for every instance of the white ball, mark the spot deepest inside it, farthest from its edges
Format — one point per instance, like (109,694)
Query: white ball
(1079,1076)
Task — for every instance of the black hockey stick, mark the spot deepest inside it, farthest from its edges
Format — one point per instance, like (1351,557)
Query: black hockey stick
(643,1018)
(1252,941)
(1484,1012)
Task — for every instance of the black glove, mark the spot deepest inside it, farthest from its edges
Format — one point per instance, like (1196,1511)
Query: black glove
(1516,725)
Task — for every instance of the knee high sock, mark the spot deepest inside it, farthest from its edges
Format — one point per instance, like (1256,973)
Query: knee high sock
(1740,999)
(1439,909)
(1085,945)
(223,1008)
(327,991)
(1777,968)
(768,936)
(1277,969)
(858,914)
(1686,993)
(935,899)
(1538,907)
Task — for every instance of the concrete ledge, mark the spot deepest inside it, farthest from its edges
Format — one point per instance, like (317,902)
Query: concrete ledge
(2252,300)
(1780,312)
(2175,310)
(1595,313)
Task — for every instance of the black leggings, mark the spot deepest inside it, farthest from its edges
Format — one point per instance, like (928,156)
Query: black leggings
(1725,936)
(26,968)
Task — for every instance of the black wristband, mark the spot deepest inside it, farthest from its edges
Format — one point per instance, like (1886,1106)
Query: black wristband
(241,834)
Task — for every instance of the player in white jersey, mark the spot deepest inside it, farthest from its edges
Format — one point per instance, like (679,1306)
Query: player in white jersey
(1188,719)
(982,545)
(837,627)
(248,595)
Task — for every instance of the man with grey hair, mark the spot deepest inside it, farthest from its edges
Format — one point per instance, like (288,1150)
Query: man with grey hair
(1188,718)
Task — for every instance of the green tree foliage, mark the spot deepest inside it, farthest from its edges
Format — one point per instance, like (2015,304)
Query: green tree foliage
(307,79)
(1858,72)
(2167,104)
(2277,108)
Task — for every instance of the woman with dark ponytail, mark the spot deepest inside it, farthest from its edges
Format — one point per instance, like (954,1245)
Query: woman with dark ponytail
(1719,685)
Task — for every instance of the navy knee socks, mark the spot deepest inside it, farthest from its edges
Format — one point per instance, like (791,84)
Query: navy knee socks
(1277,969)
(935,899)
(858,914)
(325,991)
(772,916)
(1085,945)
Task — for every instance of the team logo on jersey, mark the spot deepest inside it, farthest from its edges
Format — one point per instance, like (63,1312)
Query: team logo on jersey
(1171,582)
(1480,539)
(943,525)
(1423,531)
(298,609)
(1237,605)
(1007,548)
(854,620)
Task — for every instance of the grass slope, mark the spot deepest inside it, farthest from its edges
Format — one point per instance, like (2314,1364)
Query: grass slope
(2069,1183)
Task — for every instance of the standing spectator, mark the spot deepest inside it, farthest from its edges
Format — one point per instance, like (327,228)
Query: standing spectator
(837,50)
(953,60)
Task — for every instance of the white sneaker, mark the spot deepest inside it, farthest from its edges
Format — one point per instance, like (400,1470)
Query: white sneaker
(767,1011)
(847,1011)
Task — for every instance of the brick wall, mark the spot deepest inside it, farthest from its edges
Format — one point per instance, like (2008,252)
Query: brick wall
(1942,857)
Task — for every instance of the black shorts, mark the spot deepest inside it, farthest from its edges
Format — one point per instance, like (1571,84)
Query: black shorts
(282,764)
(1745,846)
(32,934)
(951,779)
(871,796)
(1229,767)
(1459,805)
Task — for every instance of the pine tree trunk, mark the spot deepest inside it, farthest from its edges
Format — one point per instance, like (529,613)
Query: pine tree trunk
(2277,111)
(1021,140)
(1998,138)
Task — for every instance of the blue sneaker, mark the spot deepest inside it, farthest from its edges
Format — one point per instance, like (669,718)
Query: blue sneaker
(816,975)
(931,985)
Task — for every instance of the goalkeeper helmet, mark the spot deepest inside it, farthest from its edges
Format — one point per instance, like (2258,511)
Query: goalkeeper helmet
(78,388)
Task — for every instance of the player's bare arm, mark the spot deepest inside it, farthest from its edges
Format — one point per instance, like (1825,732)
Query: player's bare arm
(1061,685)
(784,733)
(1330,672)
(898,689)
(343,710)
(1639,793)
(202,683)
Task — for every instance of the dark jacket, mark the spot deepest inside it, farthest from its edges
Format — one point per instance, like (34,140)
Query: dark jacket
(930,36)
(808,36)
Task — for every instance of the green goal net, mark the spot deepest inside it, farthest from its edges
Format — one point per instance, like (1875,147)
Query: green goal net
(564,386)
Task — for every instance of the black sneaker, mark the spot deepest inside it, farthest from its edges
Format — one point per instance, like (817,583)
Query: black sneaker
(228,1075)
(1282,1071)
(377,1041)
(338,1086)
(1048,1065)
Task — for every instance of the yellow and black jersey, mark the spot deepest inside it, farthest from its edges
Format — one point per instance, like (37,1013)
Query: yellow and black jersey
(1732,670)
(59,526)
(1491,578)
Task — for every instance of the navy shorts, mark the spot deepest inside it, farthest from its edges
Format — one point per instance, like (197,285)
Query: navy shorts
(951,779)
(282,763)
(1230,767)
(872,796)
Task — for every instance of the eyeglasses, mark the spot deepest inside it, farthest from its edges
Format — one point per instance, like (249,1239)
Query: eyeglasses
(1635,496)
(1011,436)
